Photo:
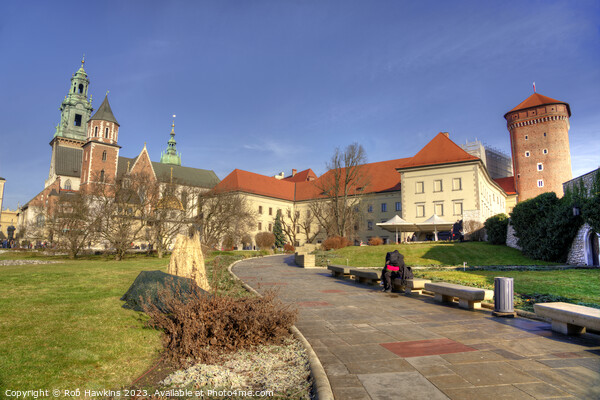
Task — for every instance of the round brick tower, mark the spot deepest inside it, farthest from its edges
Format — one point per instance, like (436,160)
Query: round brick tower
(539,139)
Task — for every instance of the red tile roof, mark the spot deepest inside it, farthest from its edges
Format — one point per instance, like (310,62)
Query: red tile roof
(440,150)
(535,100)
(302,176)
(507,184)
(382,176)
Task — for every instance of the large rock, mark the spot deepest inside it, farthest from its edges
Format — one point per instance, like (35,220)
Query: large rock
(187,260)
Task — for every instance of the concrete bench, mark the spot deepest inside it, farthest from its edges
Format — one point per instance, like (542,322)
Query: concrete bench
(468,297)
(365,276)
(569,319)
(413,286)
(339,270)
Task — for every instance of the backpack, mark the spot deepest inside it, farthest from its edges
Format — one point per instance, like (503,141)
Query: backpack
(394,258)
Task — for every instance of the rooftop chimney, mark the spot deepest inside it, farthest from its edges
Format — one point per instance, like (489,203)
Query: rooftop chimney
(446,134)
(294,171)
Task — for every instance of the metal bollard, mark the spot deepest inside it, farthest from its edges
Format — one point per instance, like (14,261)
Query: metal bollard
(504,297)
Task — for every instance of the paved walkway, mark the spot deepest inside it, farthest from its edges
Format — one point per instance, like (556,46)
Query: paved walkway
(392,346)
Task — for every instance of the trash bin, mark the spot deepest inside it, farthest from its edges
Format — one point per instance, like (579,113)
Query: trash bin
(503,297)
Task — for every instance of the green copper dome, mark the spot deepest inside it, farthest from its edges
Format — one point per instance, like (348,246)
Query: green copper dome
(170,156)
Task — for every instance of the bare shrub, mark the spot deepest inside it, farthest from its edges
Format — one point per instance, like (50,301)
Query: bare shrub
(265,240)
(376,241)
(203,327)
(288,248)
(335,242)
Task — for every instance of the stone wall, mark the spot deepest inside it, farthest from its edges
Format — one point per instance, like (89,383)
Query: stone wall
(511,239)
(304,260)
(577,254)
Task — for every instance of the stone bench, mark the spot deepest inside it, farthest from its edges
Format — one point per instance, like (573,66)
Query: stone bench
(569,319)
(468,297)
(304,260)
(413,286)
(339,270)
(365,276)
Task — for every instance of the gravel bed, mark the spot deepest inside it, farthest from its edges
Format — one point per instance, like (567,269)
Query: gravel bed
(277,368)
(25,262)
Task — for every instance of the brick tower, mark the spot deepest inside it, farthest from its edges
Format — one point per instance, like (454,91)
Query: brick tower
(539,139)
(101,151)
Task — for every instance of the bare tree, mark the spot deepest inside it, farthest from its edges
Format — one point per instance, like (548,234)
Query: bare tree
(122,209)
(72,222)
(291,225)
(306,226)
(223,214)
(341,187)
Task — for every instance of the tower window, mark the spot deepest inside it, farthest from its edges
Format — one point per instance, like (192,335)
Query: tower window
(544,134)
(545,151)
(104,155)
(540,183)
(527,154)
(102,176)
(106,133)
(526,137)
(68,184)
(77,121)
(96,132)
(80,88)
(540,167)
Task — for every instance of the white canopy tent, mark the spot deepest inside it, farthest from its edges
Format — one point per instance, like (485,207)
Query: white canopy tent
(397,224)
(436,223)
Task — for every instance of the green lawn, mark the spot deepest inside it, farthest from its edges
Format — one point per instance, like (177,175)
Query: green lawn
(62,325)
(474,253)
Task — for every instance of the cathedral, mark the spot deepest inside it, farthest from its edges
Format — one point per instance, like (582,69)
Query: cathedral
(85,148)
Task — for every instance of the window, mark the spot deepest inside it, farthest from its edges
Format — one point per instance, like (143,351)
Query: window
(260,226)
(77,121)
(420,210)
(437,185)
(540,183)
(270,227)
(270,211)
(184,200)
(527,154)
(370,208)
(41,220)
(383,207)
(526,137)
(544,134)
(106,133)
(102,176)
(80,88)
(369,225)
(260,209)
(439,209)
(458,208)
(297,229)
(104,155)
(96,132)
(540,166)
(68,184)
(420,187)
(398,206)
(545,151)
(456,184)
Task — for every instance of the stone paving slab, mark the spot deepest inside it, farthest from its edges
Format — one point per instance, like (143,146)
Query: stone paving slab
(347,324)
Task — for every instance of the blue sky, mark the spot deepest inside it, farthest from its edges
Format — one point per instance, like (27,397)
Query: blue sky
(267,86)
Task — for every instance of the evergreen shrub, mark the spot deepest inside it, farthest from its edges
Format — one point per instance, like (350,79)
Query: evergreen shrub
(496,228)
(545,226)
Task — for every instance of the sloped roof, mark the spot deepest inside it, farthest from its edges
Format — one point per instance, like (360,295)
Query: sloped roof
(536,100)
(185,175)
(67,161)
(104,112)
(440,150)
(302,176)
(507,184)
(258,184)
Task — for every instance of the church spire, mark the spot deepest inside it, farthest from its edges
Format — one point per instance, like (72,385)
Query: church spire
(170,156)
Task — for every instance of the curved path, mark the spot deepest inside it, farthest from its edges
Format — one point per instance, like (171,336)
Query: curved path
(388,346)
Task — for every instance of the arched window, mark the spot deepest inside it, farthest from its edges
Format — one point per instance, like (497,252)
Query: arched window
(106,133)
(41,220)
(96,132)
(104,155)
(68,184)
(102,176)
(80,88)
(184,200)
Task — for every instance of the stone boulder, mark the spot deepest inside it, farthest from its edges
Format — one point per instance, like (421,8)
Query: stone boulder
(187,260)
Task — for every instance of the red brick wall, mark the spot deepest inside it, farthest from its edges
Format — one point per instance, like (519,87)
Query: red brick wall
(535,130)
(94,162)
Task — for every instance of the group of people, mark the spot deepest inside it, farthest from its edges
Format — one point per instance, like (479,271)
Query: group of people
(394,269)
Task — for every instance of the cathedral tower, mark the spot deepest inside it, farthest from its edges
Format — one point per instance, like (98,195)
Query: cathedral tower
(170,156)
(539,138)
(101,151)
(70,134)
